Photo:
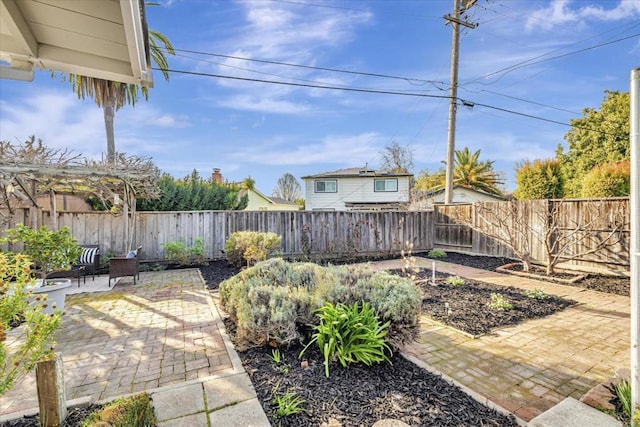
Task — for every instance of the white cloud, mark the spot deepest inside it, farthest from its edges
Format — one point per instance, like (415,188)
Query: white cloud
(263,104)
(281,32)
(347,150)
(59,119)
(560,12)
(63,121)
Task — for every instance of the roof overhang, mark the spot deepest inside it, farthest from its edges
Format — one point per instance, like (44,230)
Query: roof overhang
(104,39)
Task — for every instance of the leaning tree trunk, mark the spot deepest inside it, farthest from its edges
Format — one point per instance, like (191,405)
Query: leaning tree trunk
(109,112)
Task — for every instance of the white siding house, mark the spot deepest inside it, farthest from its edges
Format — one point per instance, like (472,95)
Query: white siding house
(357,189)
(259,202)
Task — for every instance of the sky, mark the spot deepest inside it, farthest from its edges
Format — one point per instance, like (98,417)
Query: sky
(525,71)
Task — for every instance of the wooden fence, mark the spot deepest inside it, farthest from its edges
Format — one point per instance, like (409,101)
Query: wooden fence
(582,225)
(314,234)
(463,228)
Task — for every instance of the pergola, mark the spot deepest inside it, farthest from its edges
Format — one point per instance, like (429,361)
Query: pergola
(118,184)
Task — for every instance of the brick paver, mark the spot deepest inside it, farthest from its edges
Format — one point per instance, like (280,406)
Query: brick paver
(530,367)
(162,331)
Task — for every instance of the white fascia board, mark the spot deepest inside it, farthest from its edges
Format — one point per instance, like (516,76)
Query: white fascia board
(134,32)
(18,28)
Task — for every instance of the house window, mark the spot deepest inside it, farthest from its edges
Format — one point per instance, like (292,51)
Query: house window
(327,186)
(385,185)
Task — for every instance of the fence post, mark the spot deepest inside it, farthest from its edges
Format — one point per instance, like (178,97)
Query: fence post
(51,395)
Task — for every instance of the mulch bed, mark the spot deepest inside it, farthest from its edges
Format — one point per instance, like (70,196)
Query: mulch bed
(75,417)
(467,307)
(595,282)
(361,395)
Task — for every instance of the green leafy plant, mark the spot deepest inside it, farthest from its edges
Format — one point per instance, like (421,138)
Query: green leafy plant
(536,293)
(437,253)
(186,255)
(135,410)
(249,247)
(15,311)
(49,249)
(276,356)
(499,302)
(288,404)
(350,334)
(455,281)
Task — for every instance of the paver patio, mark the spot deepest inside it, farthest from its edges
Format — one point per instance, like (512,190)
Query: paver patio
(162,331)
(530,367)
(165,331)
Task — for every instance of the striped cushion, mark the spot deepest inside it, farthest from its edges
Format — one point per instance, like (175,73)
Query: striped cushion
(88,255)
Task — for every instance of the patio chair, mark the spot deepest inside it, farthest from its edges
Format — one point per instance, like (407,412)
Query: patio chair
(125,266)
(89,260)
(88,263)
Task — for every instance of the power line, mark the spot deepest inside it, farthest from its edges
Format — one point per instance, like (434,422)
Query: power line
(464,102)
(525,100)
(313,86)
(309,67)
(531,61)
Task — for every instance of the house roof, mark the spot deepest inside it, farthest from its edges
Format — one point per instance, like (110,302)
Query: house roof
(102,39)
(460,187)
(272,200)
(356,173)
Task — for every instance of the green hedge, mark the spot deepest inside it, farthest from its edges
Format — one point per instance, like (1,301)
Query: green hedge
(271,300)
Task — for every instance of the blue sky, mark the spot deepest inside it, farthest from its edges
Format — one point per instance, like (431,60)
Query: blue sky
(543,58)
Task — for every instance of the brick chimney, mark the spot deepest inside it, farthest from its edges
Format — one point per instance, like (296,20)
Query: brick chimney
(216,176)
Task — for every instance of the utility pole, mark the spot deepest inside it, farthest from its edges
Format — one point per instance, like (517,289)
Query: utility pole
(455,22)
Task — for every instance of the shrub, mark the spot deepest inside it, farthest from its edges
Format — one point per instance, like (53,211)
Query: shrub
(608,180)
(350,335)
(271,300)
(49,249)
(499,302)
(536,293)
(186,255)
(250,247)
(437,253)
(39,327)
(455,281)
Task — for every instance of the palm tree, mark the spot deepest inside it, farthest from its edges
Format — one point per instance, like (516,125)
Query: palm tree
(470,172)
(112,96)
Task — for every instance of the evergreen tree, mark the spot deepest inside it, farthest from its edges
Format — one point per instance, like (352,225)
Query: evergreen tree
(601,136)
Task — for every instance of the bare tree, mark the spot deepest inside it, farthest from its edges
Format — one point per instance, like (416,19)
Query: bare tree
(567,231)
(397,158)
(507,223)
(288,188)
(592,228)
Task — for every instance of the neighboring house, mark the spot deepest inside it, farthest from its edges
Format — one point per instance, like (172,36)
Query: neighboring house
(357,189)
(260,202)
(424,200)
(256,200)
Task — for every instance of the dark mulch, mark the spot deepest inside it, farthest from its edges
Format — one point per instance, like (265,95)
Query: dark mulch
(75,417)
(357,395)
(361,395)
(466,307)
(595,282)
